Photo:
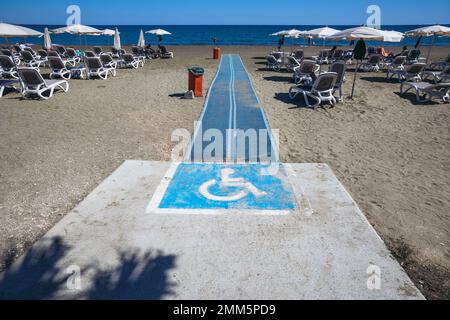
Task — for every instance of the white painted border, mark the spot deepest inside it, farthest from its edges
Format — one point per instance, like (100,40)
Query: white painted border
(153,207)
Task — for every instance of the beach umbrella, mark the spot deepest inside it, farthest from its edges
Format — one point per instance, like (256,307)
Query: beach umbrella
(364,33)
(108,32)
(430,31)
(141,42)
(47,40)
(78,29)
(117,44)
(159,32)
(293,33)
(12,31)
(320,33)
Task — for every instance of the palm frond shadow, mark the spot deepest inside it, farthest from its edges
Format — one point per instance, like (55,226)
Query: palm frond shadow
(41,274)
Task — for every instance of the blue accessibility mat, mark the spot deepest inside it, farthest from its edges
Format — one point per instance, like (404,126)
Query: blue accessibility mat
(223,186)
(233,111)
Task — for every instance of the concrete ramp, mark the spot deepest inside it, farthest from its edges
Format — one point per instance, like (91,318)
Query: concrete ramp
(112,246)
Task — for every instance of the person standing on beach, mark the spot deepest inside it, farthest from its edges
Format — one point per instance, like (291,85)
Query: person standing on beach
(280,43)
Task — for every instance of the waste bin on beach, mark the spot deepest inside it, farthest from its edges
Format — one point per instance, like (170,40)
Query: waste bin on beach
(216,53)
(196,80)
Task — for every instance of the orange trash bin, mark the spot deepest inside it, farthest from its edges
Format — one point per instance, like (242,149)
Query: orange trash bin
(216,54)
(196,80)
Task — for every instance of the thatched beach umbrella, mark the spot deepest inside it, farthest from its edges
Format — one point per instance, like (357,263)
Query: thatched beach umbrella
(430,31)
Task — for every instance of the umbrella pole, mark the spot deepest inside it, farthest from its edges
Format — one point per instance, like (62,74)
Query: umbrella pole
(431,47)
(354,79)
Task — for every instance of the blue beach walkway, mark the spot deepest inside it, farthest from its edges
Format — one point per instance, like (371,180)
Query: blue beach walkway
(233,109)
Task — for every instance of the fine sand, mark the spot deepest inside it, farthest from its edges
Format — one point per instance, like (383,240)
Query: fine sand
(391,153)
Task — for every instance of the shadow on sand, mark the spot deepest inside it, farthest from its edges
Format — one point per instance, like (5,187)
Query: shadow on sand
(40,275)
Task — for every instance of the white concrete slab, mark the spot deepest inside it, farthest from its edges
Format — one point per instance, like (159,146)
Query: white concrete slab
(122,252)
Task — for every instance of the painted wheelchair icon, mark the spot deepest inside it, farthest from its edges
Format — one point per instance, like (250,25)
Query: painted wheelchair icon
(226,182)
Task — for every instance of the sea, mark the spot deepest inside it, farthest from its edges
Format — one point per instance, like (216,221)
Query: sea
(226,35)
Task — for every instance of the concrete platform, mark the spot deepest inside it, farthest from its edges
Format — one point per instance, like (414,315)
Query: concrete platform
(110,247)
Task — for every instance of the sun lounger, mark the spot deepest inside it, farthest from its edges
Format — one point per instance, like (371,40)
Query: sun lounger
(292,63)
(398,64)
(321,91)
(306,71)
(108,61)
(72,56)
(34,84)
(129,61)
(438,76)
(164,53)
(414,57)
(115,53)
(97,69)
(7,67)
(441,65)
(410,73)
(339,67)
(89,54)
(98,51)
(372,64)
(299,55)
(323,57)
(8,52)
(59,69)
(426,92)
(30,61)
(274,63)
(7,84)
(60,49)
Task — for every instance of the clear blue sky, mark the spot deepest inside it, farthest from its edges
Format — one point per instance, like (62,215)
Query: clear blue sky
(260,12)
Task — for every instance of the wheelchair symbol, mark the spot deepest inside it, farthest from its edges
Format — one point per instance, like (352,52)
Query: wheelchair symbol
(227,181)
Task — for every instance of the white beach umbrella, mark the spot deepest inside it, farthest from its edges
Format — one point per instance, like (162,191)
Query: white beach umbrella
(108,32)
(12,31)
(430,31)
(47,40)
(141,42)
(364,33)
(393,36)
(77,29)
(293,33)
(320,32)
(159,32)
(117,43)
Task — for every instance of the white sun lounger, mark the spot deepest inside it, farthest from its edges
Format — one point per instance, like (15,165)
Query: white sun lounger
(7,67)
(97,69)
(6,84)
(321,91)
(427,92)
(34,84)
(438,76)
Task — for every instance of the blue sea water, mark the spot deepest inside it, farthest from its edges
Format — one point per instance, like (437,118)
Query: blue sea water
(202,35)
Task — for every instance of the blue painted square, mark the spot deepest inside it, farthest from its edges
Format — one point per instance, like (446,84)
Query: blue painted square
(222,186)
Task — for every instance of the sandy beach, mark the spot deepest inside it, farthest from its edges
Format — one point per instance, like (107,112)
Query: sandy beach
(392,154)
